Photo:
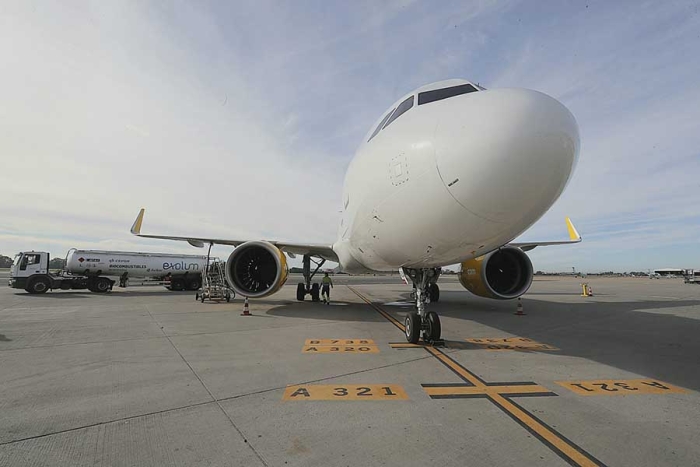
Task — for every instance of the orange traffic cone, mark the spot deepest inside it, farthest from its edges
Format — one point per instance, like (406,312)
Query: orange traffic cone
(590,291)
(519,311)
(246,310)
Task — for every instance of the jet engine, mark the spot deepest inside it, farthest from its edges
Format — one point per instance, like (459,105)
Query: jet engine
(256,269)
(502,274)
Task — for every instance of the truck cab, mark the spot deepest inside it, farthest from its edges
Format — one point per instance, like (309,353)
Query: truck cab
(30,271)
(27,265)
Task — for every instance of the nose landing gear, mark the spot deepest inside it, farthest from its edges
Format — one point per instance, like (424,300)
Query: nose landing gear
(421,321)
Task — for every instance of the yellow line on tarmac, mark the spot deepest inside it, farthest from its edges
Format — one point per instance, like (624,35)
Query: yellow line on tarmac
(558,443)
(454,366)
(386,315)
(566,448)
(485,390)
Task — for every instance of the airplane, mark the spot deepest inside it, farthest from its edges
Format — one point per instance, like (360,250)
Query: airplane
(450,173)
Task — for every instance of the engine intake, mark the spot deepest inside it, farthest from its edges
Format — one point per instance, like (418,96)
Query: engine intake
(502,274)
(256,269)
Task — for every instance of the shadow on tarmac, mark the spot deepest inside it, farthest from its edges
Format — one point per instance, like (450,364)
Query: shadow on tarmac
(336,311)
(617,334)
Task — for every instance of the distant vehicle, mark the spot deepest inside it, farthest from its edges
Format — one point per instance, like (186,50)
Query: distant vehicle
(90,269)
(691,276)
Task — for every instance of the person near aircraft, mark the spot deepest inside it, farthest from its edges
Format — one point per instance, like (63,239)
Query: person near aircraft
(326,285)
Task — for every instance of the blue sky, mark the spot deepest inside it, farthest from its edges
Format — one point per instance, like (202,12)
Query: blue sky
(237,120)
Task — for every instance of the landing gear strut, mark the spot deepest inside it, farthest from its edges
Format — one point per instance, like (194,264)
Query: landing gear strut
(423,322)
(307,287)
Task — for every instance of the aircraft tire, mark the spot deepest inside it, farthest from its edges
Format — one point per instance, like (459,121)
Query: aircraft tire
(301,291)
(412,325)
(434,292)
(434,328)
(315,292)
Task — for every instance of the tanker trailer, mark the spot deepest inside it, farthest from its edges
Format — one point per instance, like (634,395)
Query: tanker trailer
(93,269)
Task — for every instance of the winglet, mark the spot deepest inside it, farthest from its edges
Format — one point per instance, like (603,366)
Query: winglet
(136,228)
(573,233)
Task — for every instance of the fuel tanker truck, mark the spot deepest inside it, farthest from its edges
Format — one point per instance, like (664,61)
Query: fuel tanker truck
(93,269)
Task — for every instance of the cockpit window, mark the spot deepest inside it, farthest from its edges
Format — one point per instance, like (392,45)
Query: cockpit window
(444,93)
(381,124)
(403,107)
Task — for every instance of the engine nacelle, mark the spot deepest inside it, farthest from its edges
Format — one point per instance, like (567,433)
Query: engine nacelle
(256,269)
(502,274)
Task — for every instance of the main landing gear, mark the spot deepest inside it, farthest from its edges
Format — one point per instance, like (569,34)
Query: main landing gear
(307,287)
(421,321)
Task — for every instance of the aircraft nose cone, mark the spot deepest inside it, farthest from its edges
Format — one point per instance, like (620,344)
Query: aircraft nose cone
(507,154)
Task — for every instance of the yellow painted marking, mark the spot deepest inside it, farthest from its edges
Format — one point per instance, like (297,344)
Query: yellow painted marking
(318,342)
(407,345)
(573,233)
(619,387)
(469,390)
(340,349)
(386,315)
(136,227)
(455,367)
(344,392)
(545,432)
(569,450)
(510,343)
(446,344)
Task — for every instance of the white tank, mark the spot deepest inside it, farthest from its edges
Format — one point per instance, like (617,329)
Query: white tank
(115,263)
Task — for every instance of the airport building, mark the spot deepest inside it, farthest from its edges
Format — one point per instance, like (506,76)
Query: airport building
(670,271)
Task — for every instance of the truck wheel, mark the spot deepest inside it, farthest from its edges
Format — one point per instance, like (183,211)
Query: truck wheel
(102,285)
(301,291)
(38,285)
(194,284)
(177,284)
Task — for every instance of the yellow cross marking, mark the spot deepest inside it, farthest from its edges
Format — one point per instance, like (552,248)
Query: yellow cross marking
(498,394)
(437,391)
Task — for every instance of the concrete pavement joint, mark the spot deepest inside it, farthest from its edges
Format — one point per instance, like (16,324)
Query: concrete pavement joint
(91,425)
(165,336)
(214,399)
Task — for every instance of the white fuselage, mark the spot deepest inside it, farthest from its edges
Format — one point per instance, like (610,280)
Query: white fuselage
(454,179)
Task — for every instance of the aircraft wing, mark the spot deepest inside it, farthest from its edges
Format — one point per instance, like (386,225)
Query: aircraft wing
(320,250)
(573,236)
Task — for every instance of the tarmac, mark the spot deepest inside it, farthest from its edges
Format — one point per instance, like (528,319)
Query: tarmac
(147,377)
